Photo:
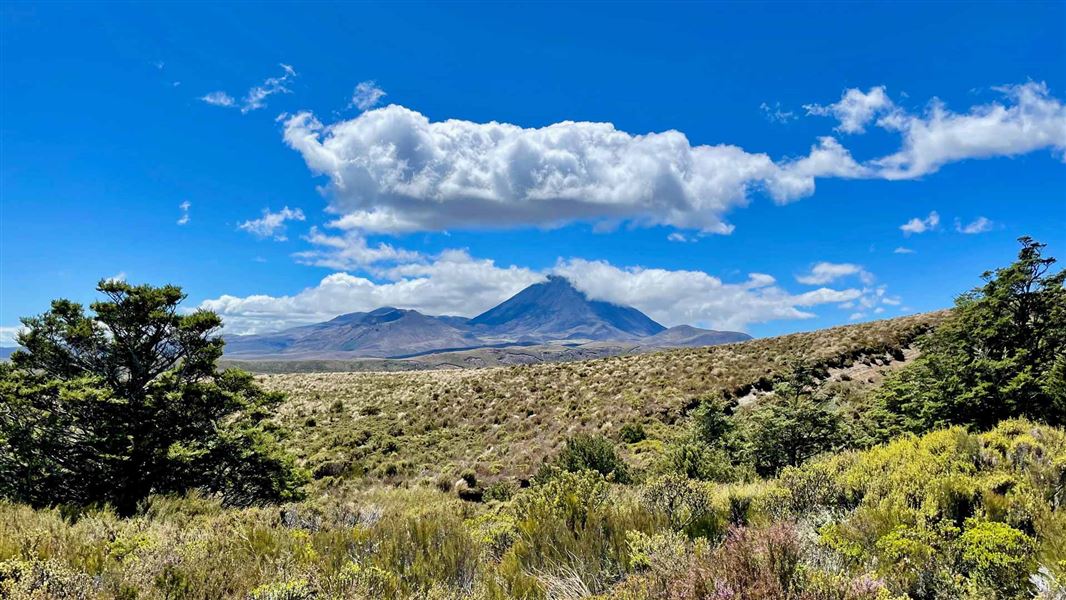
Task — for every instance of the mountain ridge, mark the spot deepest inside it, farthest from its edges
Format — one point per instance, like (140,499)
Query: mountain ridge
(548,312)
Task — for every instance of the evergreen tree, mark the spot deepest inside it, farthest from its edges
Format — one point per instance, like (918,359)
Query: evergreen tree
(794,424)
(125,402)
(1001,354)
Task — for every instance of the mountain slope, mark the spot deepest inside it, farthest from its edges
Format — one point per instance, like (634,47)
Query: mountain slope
(384,332)
(687,336)
(555,310)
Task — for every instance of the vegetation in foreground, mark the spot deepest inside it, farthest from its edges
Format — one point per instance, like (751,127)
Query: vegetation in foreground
(945,481)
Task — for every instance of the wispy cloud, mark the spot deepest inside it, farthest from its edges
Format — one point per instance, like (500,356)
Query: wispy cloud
(349,250)
(184,206)
(826,272)
(978,225)
(903,250)
(367,95)
(219,99)
(256,97)
(272,224)
(855,109)
(776,114)
(919,225)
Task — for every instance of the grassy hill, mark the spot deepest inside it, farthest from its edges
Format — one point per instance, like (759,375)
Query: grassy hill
(501,422)
(948,514)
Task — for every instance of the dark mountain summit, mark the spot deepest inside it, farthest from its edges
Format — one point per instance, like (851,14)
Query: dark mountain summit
(556,310)
(547,312)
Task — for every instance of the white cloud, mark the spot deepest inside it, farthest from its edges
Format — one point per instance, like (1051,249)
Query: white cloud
(219,99)
(1029,120)
(827,272)
(8,333)
(855,109)
(776,114)
(456,283)
(677,297)
(117,277)
(272,224)
(919,225)
(256,97)
(392,169)
(827,158)
(677,236)
(184,206)
(902,250)
(349,251)
(367,95)
(978,225)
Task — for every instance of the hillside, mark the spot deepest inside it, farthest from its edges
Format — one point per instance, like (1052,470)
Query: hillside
(503,421)
(383,332)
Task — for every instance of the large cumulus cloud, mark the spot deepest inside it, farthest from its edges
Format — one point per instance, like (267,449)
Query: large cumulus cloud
(392,170)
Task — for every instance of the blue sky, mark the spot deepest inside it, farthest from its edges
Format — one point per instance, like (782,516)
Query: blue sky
(801,135)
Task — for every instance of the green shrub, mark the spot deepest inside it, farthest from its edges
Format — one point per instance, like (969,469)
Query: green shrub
(571,528)
(501,490)
(585,452)
(699,461)
(998,557)
(684,503)
(297,589)
(631,433)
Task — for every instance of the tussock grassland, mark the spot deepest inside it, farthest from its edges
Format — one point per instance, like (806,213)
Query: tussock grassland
(950,514)
(502,422)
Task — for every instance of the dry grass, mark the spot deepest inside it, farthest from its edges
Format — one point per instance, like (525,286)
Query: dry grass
(502,422)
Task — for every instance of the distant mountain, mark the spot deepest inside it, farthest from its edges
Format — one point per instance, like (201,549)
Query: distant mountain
(688,336)
(553,312)
(6,351)
(556,310)
(385,332)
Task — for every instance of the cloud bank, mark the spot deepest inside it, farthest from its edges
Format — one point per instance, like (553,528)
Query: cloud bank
(456,283)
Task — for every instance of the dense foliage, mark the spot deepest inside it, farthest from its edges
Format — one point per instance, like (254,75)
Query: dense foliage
(1002,354)
(126,402)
